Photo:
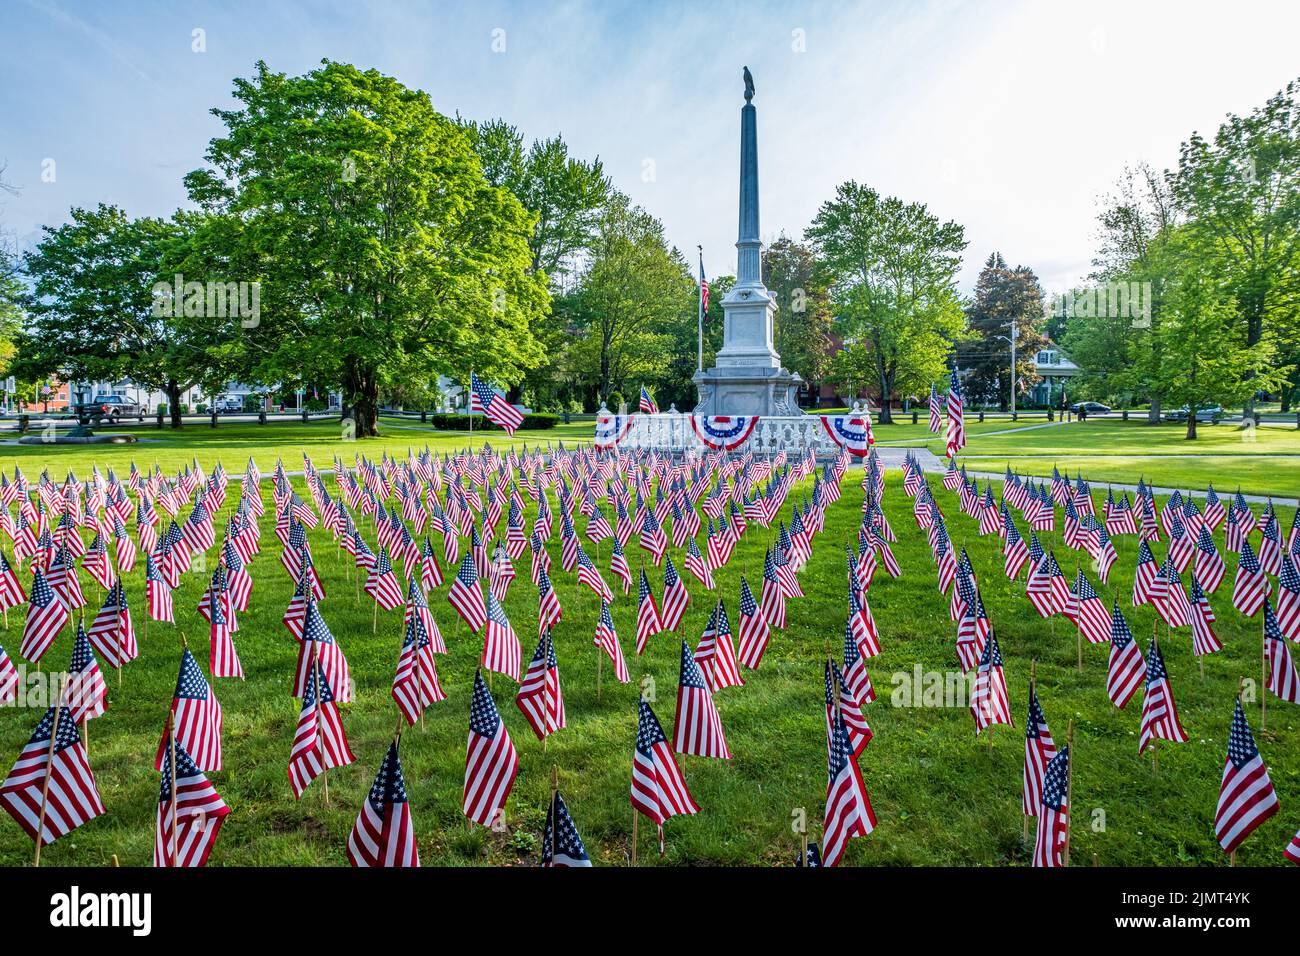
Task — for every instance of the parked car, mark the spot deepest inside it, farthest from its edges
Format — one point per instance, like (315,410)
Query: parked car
(108,409)
(229,405)
(1090,408)
(1207,413)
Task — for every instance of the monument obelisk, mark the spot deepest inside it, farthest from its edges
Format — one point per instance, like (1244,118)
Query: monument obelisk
(748,378)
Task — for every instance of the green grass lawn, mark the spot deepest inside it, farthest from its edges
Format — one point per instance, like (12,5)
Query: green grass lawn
(233,444)
(941,795)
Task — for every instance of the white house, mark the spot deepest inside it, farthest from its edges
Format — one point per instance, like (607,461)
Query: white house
(1055,369)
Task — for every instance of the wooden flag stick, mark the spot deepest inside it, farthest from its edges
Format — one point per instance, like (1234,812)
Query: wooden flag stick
(175,795)
(1263,683)
(49,767)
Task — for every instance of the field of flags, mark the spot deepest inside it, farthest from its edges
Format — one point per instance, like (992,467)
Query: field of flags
(402,616)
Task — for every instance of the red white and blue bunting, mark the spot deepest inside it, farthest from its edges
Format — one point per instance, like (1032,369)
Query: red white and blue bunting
(723,431)
(612,429)
(850,431)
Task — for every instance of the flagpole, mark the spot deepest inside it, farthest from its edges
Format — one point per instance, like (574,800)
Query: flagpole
(1069,790)
(699,365)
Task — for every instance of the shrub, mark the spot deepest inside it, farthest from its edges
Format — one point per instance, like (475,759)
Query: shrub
(614,400)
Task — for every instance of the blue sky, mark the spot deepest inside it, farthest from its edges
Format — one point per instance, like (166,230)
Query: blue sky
(1008,117)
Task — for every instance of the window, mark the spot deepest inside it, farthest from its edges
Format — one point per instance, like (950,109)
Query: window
(1048,357)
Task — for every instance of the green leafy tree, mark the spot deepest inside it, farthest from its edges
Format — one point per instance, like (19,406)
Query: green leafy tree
(1205,361)
(891,268)
(803,319)
(1240,193)
(630,291)
(385,254)
(93,311)
(1005,299)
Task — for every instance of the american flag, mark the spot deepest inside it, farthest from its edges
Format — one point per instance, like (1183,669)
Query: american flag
(1204,640)
(840,702)
(46,616)
(848,808)
(466,596)
(157,591)
(675,597)
(1159,714)
(85,695)
(111,632)
(1092,618)
(190,812)
(8,678)
(653,538)
(648,623)
(647,403)
(490,758)
(658,788)
(1039,751)
(501,649)
(755,632)
(936,412)
(1246,795)
(1251,588)
(561,845)
(196,715)
(618,566)
(956,419)
(1013,548)
(1127,666)
(549,611)
(716,653)
(381,582)
(772,595)
(988,703)
(606,638)
(319,742)
(1053,831)
(1288,598)
(1282,677)
(540,698)
(318,643)
(224,659)
(485,399)
(697,728)
(56,777)
(415,684)
(384,834)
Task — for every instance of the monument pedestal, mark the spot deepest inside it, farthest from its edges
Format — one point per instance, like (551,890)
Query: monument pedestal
(748,390)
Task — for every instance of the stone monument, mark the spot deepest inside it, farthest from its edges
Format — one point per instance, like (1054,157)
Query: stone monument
(748,378)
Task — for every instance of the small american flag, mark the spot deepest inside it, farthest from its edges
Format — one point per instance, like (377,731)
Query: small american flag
(606,638)
(848,808)
(697,728)
(490,758)
(540,698)
(466,596)
(60,781)
(1039,751)
(1159,714)
(1251,588)
(675,597)
(561,845)
(46,616)
(647,403)
(754,629)
(1246,795)
(189,816)
(501,649)
(936,413)
(196,715)
(415,684)
(658,788)
(956,418)
(384,834)
(1282,677)
(1127,666)
(319,742)
(648,623)
(1054,812)
(485,399)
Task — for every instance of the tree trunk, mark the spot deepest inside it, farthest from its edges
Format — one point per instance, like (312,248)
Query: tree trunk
(886,416)
(173,391)
(1153,412)
(1191,424)
(362,385)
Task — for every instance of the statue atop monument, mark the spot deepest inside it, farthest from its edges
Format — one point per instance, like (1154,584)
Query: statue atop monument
(748,378)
